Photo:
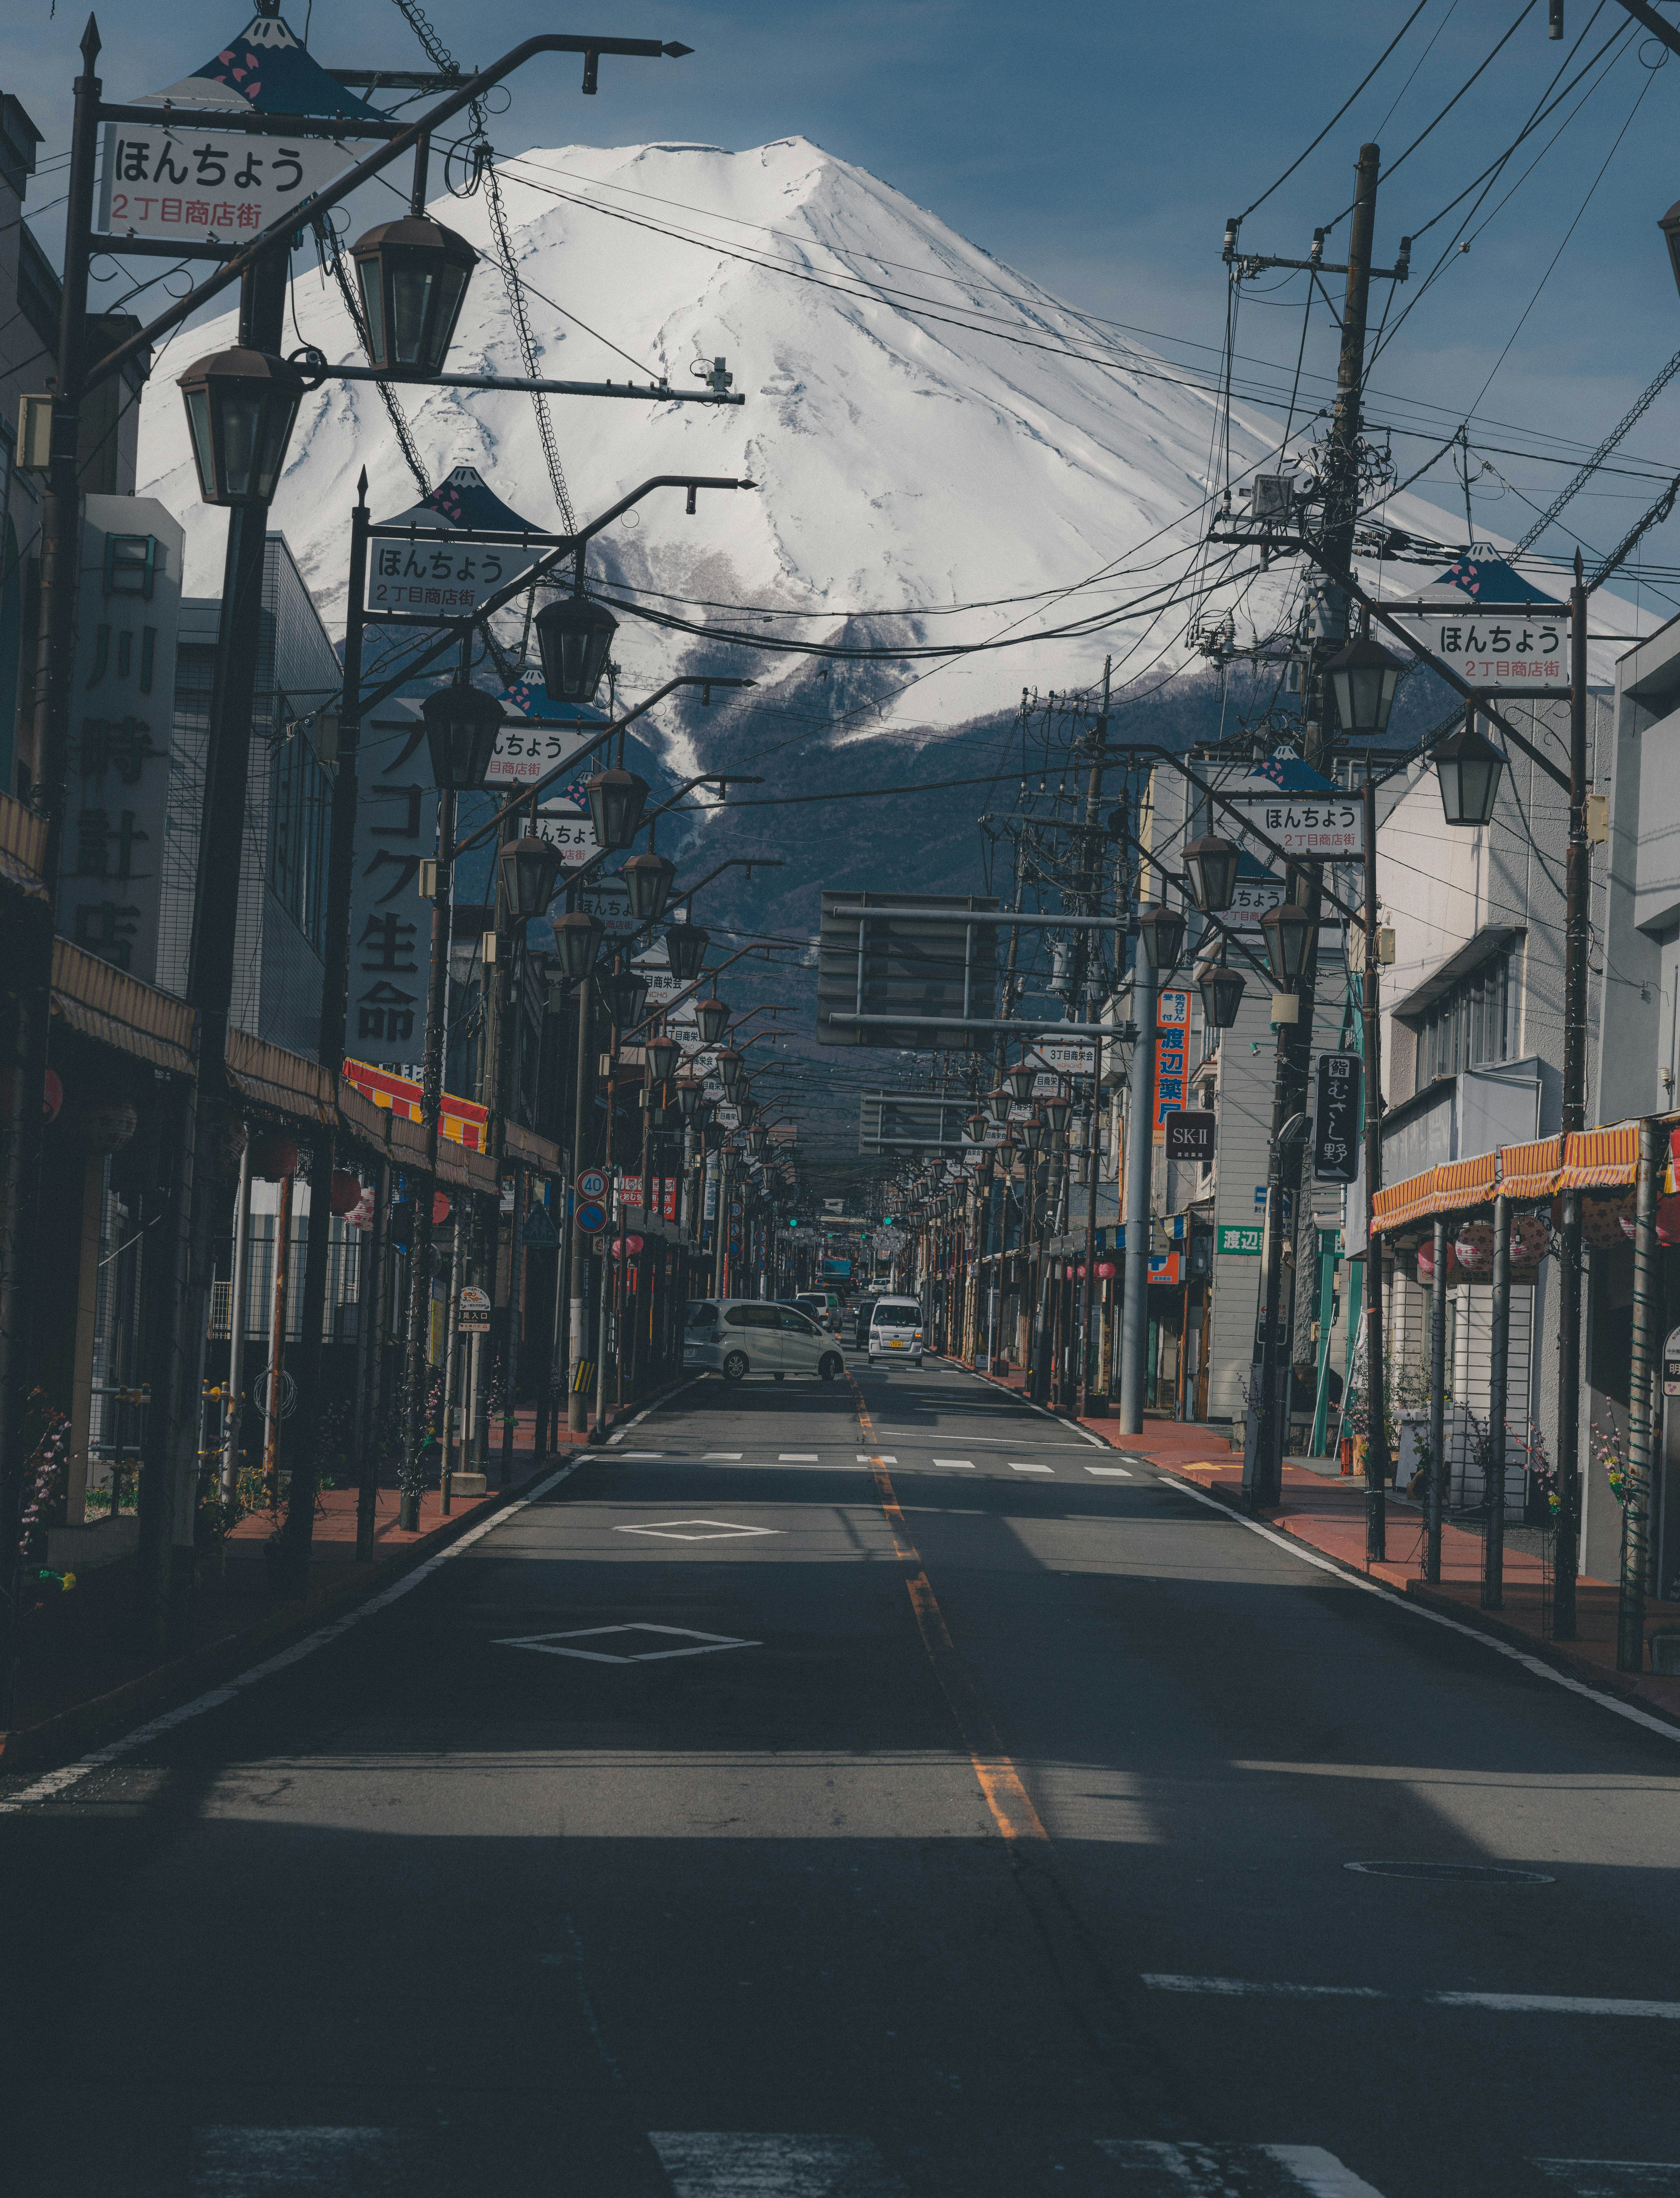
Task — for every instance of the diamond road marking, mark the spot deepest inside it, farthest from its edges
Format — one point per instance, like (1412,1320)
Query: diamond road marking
(709,1530)
(1109,1472)
(1015,1467)
(553,1644)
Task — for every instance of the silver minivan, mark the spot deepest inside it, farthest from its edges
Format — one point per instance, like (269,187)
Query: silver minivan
(895,1331)
(738,1336)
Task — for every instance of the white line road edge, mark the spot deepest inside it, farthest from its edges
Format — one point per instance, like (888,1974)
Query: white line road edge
(1645,2010)
(70,1774)
(1168,1479)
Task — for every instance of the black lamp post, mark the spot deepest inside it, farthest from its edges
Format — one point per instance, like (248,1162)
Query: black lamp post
(1221,990)
(712,1017)
(240,406)
(1210,865)
(462,724)
(731,1072)
(689,1094)
(660,1054)
(998,1103)
(616,800)
(1468,765)
(685,946)
(576,939)
(573,634)
(629,997)
(1034,1129)
(413,274)
(1020,1076)
(1056,1111)
(530,869)
(649,877)
(1362,678)
(1285,930)
(1162,931)
(756,1141)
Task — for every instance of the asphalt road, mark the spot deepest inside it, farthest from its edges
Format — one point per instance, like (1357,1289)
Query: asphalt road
(745,1818)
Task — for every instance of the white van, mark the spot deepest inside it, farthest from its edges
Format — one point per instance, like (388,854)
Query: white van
(895,1330)
(738,1336)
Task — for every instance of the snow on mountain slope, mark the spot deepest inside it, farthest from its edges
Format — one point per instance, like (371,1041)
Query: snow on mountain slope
(902,462)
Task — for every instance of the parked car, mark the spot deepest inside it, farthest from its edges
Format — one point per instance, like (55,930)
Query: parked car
(860,1309)
(819,1305)
(738,1336)
(895,1331)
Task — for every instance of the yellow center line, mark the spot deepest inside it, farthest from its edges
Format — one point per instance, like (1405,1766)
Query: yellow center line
(1008,1800)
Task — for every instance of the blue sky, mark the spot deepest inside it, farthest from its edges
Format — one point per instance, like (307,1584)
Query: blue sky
(1098,148)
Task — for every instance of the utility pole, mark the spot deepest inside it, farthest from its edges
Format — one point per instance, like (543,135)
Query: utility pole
(1577,882)
(1272,1371)
(1091,901)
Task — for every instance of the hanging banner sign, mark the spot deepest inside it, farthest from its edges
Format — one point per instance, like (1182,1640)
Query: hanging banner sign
(1173,1056)
(609,900)
(1066,1055)
(189,180)
(1251,900)
(1335,1128)
(1323,828)
(563,822)
(1506,648)
(472,1314)
(1235,1236)
(1189,1137)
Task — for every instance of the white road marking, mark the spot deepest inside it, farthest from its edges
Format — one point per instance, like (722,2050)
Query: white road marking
(1218,2170)
(875,1457)
(550,1645)
(797,1457)
(1615,2178)
(966,1463)
(713,1530)
(766,2164)
(720,1457)
(237,2162)
(1659,2010)
(643,1456)
(1016,1466)
(1110,1472)
(69,1774)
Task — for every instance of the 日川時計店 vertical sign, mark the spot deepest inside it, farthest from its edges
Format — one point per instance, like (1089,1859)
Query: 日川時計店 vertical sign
(1172,1057)
(183,181)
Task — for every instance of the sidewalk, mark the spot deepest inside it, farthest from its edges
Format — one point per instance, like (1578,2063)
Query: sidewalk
(79,1678)
(1327,1513)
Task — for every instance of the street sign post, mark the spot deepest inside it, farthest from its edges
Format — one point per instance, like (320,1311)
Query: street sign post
(591,1217)
(1336,1130)
(472,1312)
(1189,1137)
(591,1183)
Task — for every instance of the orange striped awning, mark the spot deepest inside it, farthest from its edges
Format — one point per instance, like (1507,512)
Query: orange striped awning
(1529,1171)
(462,1121)
(1461,1185)
(1397,1204)
(1600,1159)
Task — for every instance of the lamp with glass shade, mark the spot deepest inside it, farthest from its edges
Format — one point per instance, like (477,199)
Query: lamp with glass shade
(413,274)
(530,869)
(1020,1076)
(649,877)
(1221,990)
(1034,1131)
(1056,1111)
(712,1017)
(628,997)
(462,724)
(1162,931)
(573,635)
(732,1072)
(1467,766)
(689,1093)
(1285,930)
(577,940)
(1210,865)
(240,407)
(1362,678)
(616,800)
(660,1055)
(998,1103)
(685,946)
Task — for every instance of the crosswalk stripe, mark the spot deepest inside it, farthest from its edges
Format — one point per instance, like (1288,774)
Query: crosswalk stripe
(1016,1467)
(1232,2171)
(720,1457)
(967,1463)
(769,2163)
(1615,2178)
(796,1457)
(875,1457)
(1110,1472)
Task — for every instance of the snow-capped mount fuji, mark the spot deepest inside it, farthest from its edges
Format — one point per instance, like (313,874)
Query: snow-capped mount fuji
(907,456)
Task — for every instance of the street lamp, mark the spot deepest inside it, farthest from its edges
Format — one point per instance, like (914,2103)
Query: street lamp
(689,1093)
(1056,1112)
(977,1125)
(1285,930)
(241,405)
(685,946)
(1221,992)
(756,1141)
(649,877)
(1021,1079)
(660,1055)
(1035,1130)
(530,868)
(616,800)
(1362,678)
(1162,931)
(731,1072)
(1468,765)
(462,724)
(577,939)
(574,633)
(413,274)
(998,1103)
(1212,866)
(628,997)
(712,1016)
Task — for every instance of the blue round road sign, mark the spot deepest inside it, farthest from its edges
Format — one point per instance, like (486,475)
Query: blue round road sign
(591,1217)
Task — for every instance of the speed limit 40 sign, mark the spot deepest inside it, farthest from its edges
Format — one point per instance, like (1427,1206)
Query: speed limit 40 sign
(591,1183)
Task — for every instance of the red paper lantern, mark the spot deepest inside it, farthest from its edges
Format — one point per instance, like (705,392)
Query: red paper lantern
(440,1209)
(1106,1270)
(622,1245)
(273,1157)
(1668,1220)
(346,1195)
(1426,1262)
(52,1094)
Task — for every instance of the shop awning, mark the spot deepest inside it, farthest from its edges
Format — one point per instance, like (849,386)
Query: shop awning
(284,1082)
(1528,1173)
(1600,1160)
(23,847)
(105,1004)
